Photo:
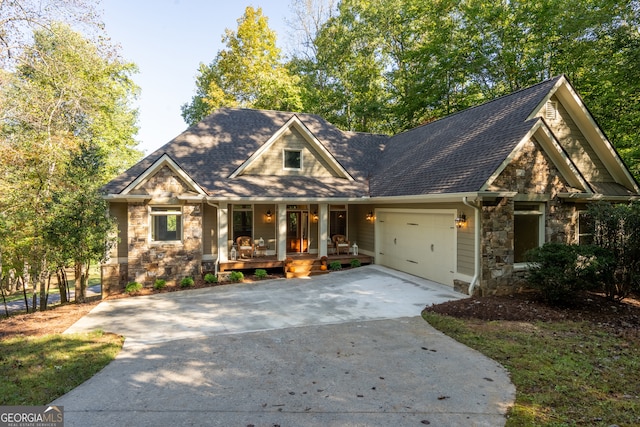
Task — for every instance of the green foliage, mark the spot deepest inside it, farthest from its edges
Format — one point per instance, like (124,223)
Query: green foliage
(186,282)
(133,287)
(335,265)
(249,73)
(236,276)
(159,284)
(355,263)
(210,278)
(616,228)
(558,270)
(260,273)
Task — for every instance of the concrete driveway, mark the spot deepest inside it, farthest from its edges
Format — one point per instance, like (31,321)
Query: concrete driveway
(344,349)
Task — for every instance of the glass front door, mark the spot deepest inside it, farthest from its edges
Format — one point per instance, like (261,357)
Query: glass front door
(297,231)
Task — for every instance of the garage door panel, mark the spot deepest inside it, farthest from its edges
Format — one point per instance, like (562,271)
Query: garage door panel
(422,244)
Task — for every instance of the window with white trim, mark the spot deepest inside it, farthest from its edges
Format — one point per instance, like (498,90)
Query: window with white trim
(528,229)
(586,228)
(242,221)
(293,159)
(166,224)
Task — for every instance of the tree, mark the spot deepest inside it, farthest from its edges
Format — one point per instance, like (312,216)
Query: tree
(65,94)
(389,65)
(20,19)
(249,73)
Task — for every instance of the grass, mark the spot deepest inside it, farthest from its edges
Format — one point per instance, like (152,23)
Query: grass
(565,373)
(36,371)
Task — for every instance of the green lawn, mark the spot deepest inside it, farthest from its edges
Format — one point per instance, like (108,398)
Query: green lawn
(36,371)
(565,373)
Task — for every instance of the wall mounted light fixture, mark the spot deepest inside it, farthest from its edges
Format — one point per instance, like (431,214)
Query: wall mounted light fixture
(461,220)
(370,216)
(315,216)
(268,215)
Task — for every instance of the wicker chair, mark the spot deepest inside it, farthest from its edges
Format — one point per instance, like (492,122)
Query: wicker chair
(246,247)
(340,242)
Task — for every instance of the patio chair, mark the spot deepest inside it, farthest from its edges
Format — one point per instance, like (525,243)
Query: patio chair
(246,247)
(340,242)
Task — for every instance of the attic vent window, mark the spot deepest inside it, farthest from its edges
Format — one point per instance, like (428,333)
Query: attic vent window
(551,110)
(292,159)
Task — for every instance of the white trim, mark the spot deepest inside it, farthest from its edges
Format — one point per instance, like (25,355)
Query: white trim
(177,212)
(295,122)
(162,161)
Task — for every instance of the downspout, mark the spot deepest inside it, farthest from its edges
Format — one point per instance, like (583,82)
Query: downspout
(476,245)
(215,264)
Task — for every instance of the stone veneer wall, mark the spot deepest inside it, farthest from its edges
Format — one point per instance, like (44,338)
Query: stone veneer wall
(530,173)
(166,260)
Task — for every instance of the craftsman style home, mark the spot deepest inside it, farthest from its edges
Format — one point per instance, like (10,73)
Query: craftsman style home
(457,201)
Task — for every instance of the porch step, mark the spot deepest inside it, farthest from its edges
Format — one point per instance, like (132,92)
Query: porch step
(305,268)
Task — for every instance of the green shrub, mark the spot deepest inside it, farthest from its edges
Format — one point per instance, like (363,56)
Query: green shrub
(186,282)
(159,284)
(210,278)
(355,263)
(133,287)
(558,270)
(260,273)
(335,265)
(236,276)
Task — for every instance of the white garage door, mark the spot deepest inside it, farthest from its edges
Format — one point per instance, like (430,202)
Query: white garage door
(419,243)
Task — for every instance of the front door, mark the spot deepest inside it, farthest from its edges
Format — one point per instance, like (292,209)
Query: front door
(297,231)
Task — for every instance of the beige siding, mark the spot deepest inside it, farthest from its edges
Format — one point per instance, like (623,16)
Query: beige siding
(271,162)
(262,228)
(574,142)
(360,230)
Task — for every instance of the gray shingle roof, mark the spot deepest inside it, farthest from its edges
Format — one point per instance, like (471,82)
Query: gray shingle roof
(460,152)
(455,154)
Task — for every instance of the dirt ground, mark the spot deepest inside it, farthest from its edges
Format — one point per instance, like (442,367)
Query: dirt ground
(621,318)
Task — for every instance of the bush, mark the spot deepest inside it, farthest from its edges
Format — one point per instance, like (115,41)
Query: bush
(133,287)
(335,265)
(355,263)
(186,282)
(159,284)
(558,270)
(210,278)
(260,273)
(236,276)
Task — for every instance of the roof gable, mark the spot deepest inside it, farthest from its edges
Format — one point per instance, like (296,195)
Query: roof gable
(585,142)
(267,160)
(164,161)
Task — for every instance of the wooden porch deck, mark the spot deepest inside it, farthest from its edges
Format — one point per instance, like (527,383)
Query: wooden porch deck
(301,260)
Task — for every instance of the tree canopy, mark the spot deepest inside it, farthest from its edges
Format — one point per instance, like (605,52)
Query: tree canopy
(250,72)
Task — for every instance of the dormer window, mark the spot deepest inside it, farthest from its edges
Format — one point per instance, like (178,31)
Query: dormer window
(293,159)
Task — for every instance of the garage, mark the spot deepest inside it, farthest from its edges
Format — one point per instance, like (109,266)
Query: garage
(418,242)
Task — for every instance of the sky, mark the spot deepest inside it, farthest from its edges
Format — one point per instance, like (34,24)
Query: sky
(167,40)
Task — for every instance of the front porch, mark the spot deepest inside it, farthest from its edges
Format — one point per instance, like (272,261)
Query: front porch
(305,264)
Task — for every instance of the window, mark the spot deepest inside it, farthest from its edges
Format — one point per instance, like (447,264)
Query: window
(242,221)
(586,228)
(528,227)
(166,224)
(292,159)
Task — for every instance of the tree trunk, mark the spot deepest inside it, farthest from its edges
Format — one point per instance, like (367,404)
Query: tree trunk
(81,272)
(62,285)
(24,292)
(42,277)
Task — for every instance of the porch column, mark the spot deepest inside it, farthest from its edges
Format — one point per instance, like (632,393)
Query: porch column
(323,232)
(281,220)
(223,232)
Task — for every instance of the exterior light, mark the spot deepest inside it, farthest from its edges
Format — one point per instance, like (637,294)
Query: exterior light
(461,220)
(268,215)
(370,216)
(315,216)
